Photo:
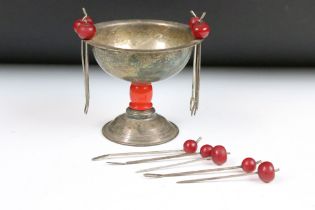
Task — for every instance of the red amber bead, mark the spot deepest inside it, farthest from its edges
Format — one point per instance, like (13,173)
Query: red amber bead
(201,30)
(193,21)
(248,165)
(140,96)
(266,171)
(190,146)
(205,150)
(219,155)
(86,31)
(78,22)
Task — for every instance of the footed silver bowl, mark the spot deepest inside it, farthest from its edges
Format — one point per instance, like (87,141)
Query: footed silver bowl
(141,51)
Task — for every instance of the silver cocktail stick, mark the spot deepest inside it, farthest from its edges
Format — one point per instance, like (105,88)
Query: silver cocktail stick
(126,154)
(220,177)
(85,67)
(214,178)
(185,173)
(171,165)
(152,159)
(198,49)
(194,101)
(193,93)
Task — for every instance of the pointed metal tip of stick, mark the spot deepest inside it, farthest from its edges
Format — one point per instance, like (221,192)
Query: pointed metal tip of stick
(98,158)
(184,182)
(86,109)
(143,171)
(116,163)
(152,175)
(190,181)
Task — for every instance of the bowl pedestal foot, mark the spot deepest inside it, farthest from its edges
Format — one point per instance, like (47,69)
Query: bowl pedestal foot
(140,128)
(140,125)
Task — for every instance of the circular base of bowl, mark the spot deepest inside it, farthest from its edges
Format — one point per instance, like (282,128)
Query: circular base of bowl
(140,128)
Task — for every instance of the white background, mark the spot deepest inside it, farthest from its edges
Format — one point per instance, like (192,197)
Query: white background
(46,142)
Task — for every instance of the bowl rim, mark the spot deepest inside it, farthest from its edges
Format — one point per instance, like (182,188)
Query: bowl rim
(158,22)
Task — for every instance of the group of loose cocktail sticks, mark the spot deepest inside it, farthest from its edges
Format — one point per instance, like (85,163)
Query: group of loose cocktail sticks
(218,154)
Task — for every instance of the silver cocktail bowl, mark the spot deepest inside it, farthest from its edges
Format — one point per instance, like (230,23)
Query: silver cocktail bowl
(142,51)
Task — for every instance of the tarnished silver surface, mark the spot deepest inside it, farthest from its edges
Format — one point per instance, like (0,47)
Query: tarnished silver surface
(142,50)
(140,128)
(142,67)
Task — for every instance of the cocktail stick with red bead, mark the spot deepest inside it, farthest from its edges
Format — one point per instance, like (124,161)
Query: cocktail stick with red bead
(85,29)
(265,172)
(200,30)
(248,165)
(187,144)
(189,148)
(205,152)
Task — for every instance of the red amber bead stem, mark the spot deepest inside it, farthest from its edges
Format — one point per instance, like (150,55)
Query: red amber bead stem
(140,96)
